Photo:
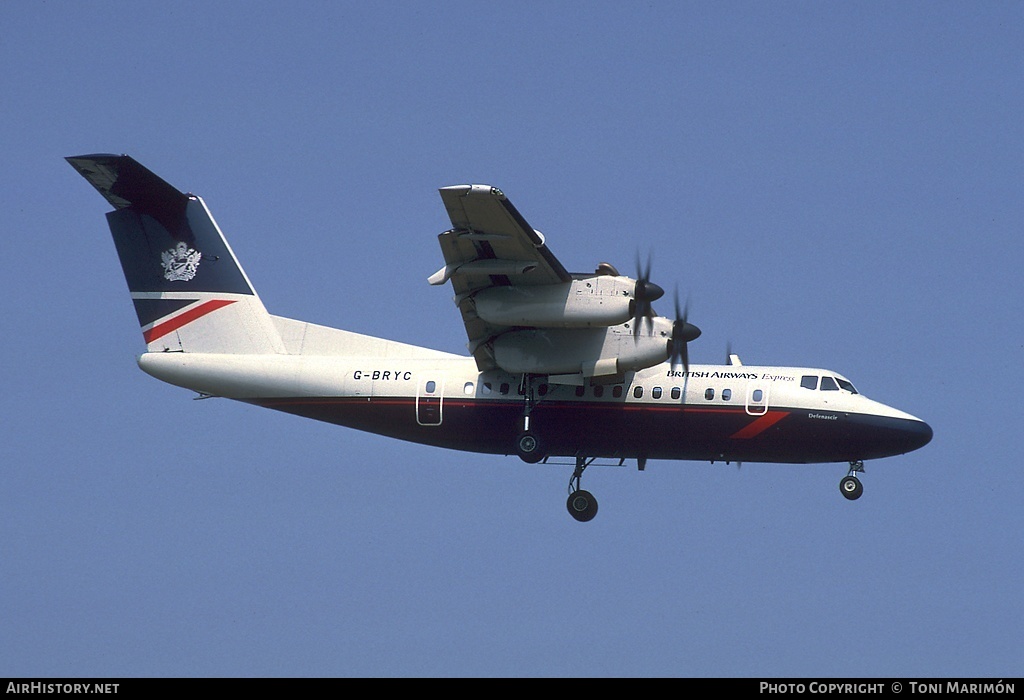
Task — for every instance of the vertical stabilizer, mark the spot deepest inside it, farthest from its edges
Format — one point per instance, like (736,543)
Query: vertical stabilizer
(189,291)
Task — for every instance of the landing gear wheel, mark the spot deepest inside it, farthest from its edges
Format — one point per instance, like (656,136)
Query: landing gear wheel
(582,505)
(528,448)
(851,487)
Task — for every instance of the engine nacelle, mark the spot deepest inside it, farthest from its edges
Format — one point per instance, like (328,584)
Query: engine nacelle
(593,302)
(594,352)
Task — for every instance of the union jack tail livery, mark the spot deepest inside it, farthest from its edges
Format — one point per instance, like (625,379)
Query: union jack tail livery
(189,291)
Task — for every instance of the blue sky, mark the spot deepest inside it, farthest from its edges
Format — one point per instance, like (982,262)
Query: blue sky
(833,185)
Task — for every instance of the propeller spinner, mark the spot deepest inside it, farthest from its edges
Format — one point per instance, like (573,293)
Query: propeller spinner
(683,332)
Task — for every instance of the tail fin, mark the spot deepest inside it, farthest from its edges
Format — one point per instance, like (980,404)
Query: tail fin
(189,291)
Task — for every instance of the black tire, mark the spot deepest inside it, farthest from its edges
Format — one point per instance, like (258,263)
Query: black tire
(582,505)
(851,488)
(528,448)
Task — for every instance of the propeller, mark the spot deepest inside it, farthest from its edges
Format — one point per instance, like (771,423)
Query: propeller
(645,293)
(682,333)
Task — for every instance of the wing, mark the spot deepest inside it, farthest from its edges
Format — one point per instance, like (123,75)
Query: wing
(490,245)
(525,314)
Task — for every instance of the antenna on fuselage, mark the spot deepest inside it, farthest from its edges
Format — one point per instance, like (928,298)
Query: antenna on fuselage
(731,358)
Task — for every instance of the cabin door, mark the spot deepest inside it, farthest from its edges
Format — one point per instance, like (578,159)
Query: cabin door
(430,400)
(757,399)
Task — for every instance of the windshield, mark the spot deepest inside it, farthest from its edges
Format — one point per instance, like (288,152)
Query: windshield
(846,386)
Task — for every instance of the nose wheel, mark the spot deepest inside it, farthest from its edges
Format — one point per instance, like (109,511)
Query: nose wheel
(581,504)
(850,486)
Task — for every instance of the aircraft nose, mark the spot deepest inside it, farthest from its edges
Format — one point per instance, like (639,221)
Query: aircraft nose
(918,434)
(896,435)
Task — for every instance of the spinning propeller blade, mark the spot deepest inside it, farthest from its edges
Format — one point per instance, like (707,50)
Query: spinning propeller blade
(682,333)
(645,293)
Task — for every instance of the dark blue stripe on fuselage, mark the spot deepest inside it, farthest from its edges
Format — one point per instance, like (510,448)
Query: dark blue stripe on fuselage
(614,429)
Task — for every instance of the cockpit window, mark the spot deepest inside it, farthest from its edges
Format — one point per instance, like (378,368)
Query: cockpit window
(809,381)
(829,384)
(846,386)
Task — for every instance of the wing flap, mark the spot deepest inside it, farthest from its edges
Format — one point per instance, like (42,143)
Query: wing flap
(490,244)
(491,240)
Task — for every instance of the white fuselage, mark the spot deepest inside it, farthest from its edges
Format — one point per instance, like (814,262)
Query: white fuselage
(738,412)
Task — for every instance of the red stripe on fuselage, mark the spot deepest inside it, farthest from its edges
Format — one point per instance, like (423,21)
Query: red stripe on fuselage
(193,313)
(759,426)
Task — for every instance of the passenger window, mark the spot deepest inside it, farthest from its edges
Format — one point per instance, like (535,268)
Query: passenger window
(542,390)
(486,388)
(468,389)
(709,394)
(580,390)
(726,394)
(431,386)
(829,384)
(656,392)
(675,392)
(598,391)
(638,392)
(757,396)
(503,389)
(617,391)
(809,381)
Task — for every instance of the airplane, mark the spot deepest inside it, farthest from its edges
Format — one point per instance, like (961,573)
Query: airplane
(565,365)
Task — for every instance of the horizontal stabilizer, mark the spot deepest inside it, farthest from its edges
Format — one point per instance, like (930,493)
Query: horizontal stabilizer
(124,182)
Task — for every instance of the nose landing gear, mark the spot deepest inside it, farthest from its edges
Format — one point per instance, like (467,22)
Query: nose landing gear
(850,485)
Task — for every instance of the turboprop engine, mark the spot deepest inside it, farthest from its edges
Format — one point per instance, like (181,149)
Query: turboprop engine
(590,302)
(596,352)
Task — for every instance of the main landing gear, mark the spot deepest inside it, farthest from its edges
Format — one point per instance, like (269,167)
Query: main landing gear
(850,486)
(531,449)
(581,504)
(528,445)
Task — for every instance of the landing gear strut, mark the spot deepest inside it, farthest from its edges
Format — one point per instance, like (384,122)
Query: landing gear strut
(528,446)
(581,504)
(531,449)
(850,486)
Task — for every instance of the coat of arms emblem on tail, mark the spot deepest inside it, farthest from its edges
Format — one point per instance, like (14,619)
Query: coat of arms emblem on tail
(180,263)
